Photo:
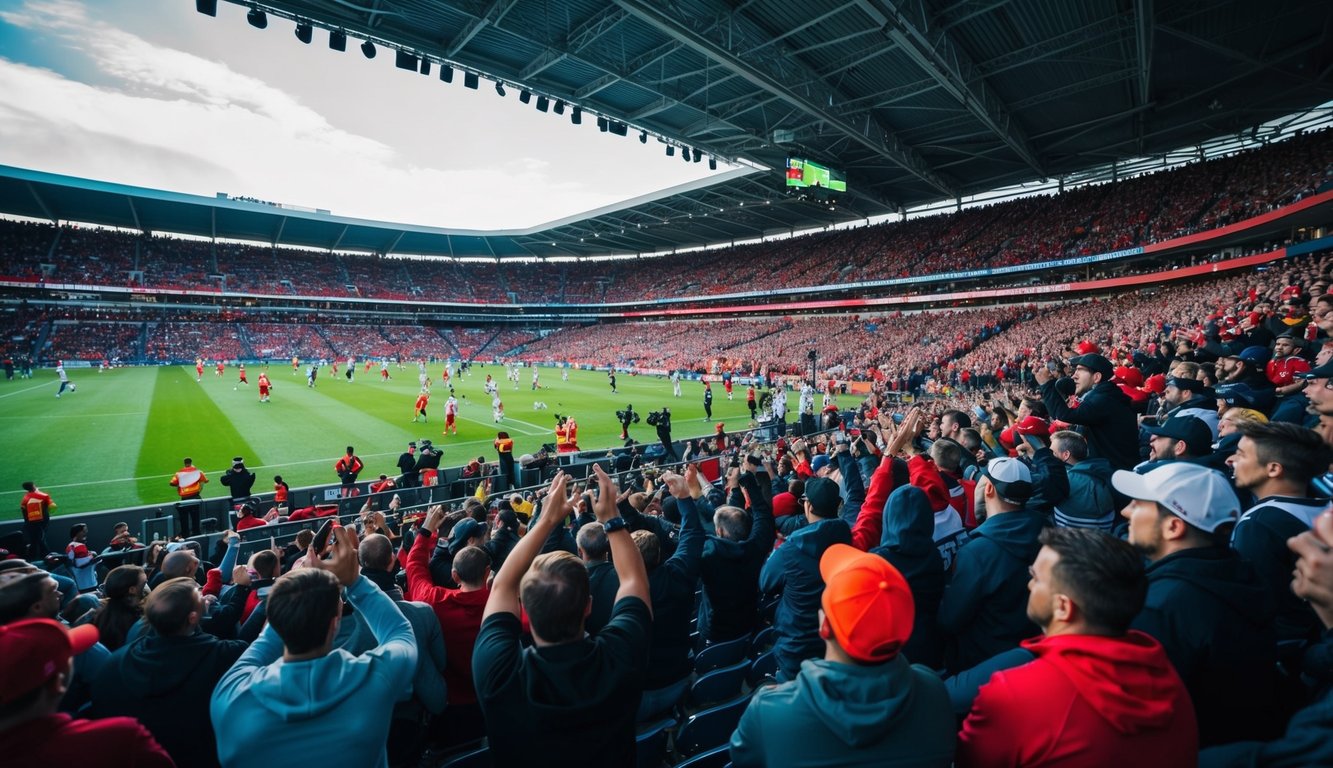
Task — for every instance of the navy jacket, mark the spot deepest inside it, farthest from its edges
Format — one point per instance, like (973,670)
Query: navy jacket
(1105,417)
(793,568)
(671,585)
(730,571)
(908,545)
(984,609)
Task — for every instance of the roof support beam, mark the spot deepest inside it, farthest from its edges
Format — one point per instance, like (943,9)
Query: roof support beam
(767,72)
(282,224)
(337,241)
(1143,45)
(394,243)
(548,58)
(134,213)
(40,202)
(930,48)
(590,30)
(493,14)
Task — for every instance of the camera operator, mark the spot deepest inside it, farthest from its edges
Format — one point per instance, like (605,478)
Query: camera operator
(239,481)
(662,421)
(626,418)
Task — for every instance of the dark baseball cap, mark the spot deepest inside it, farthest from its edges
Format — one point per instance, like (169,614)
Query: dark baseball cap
(1238,394)
(1194,431)
(1095,363)
(822,493)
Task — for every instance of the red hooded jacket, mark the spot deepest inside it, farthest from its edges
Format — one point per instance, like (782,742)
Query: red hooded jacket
(1085,700)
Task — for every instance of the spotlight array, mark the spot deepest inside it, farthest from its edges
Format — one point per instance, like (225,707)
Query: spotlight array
(405,59)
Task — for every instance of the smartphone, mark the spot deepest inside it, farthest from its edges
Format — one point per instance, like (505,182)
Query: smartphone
(981,414)
(322,536)
(1033,442)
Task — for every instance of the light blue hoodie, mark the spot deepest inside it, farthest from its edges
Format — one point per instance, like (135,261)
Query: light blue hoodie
(333,710)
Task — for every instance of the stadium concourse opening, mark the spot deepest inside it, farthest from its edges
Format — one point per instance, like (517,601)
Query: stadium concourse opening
(1038,474)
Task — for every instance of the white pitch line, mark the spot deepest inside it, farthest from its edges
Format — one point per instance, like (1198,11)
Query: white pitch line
(221,471)
(75,415)
(29,389)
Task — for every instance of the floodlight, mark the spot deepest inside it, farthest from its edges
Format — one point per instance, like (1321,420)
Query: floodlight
(206,7)
(470,80)
(685,154)
(499,89)
(712,163)
(257,18)
(619,128)
(602,124)
(525,96)
(698,155)
(304,33)
(543,103)
(671,150)
(368,48)
(446,73)
(643,137)
(576,117)
(338,40)
(425,66)
(559,107)
(405,60)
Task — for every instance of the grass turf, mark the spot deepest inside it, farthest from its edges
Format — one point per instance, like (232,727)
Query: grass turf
(116,441)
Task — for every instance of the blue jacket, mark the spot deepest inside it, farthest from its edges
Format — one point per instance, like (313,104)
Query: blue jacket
(984,610)
(1089,503)
(794,569)
(266,711)
(730,571)
(671,585)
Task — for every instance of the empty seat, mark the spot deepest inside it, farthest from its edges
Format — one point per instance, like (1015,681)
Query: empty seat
(650,744)
(718,685)
(710,728)
(721,655)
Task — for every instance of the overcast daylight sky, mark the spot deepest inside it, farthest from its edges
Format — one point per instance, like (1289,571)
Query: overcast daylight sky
(151,93)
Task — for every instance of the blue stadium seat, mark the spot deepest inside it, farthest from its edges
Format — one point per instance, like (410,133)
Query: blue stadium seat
(710,728)
(763,641)
(718,685)
(480,758)
(650,744)
(764,666)
(721,655)
(719,757)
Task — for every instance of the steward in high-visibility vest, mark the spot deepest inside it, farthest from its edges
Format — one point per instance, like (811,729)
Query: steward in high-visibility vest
(189,480)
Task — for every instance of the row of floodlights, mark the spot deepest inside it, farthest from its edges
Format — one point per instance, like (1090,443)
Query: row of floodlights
(410,61)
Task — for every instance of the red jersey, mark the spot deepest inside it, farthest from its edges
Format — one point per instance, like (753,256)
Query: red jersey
(458,612)
(1283,370)
(421,401)
(60,740)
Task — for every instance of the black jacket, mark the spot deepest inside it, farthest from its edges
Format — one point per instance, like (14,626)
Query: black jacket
(501,544)
(908,544)
(1105,417)
(1261,538)
(239,483)
(730,571)
(603,584)
(166,683)
(1214,619)
(671,585)
(1050,481)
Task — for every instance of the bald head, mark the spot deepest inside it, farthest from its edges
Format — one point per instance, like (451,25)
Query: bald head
(182,562)
(376,552)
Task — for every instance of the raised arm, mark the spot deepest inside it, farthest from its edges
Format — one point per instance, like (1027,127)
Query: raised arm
(625,556)
(554,509)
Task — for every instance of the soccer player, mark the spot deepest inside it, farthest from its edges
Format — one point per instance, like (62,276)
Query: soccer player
(422,400)
(217,370)
(451,415)
(351,368)
(675,383)
(708,401)
(310,376)
(726,383)
(64,378)
(564,372)
(296,365)
(749,400)
(264,386)
(335,367)
(198,369)
(384,370)
(497,408)
(535,384)
(611,374)
(243,380)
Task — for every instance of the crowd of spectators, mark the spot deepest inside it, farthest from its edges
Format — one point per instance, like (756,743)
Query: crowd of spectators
(110,342)
(1086,220)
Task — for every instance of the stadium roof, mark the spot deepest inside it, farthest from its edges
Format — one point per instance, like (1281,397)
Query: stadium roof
(917,101)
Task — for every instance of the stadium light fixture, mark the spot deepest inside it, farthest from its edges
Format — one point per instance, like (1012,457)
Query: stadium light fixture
(338,40)
(446,73)
(576,117)
(304,32)
(368,49)
(257,18)
(684,154)
(525,96)
(543,103)
(603,124)
(698,155)
(559,108)
(712,166)
(643,137)
(207,7)
(499,89)
(405,60)
(425,66)
(619,128)
(471,80)
(670,150)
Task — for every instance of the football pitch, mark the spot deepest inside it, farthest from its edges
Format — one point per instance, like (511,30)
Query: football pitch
(117,440)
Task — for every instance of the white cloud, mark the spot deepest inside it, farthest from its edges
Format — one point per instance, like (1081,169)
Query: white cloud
(163,117)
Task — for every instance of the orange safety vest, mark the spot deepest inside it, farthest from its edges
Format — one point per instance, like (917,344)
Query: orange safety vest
(504,446)
(35,505)
(189,481)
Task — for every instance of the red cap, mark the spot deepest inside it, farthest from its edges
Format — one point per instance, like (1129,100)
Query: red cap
(1087,347)
(1033,425)
(867,603)
(784,504)
(33,650)
(1128,375)
(1155,383)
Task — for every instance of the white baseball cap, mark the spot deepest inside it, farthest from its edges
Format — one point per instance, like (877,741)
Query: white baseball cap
(1196,494)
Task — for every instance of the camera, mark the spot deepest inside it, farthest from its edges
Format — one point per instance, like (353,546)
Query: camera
(657,418)
(630,416)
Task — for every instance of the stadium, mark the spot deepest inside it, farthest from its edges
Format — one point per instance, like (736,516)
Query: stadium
(973,274)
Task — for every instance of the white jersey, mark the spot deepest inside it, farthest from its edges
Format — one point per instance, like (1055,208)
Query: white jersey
(807,399)
(451,406)
(60,371)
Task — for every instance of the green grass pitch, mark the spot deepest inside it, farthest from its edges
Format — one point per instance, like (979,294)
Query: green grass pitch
(116,441)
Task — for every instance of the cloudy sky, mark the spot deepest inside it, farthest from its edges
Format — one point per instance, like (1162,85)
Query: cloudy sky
(153,94)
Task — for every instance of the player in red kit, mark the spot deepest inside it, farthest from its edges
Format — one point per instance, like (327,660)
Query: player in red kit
(243,380)
(199,369)
(420,406)
(264,386)
(217,371)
